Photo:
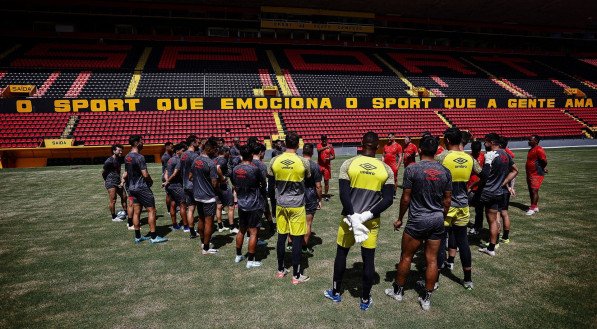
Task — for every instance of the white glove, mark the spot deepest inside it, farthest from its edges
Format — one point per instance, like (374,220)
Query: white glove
(355,221)
(367,215)
(347,221)
(359,238)
(360,231)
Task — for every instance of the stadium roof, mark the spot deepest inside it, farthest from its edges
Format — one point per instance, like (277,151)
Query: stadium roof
(562,13)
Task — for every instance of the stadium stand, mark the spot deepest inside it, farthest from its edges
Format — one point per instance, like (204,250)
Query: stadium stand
(159,127)
(216,71)
(585,115)
(202,71)
(514,123)
(348,126)
(338,73)
(29,130)
(79,70)
(445,74)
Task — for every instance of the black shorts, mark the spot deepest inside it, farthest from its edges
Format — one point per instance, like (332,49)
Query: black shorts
(144,197)
(494,202)
(111,183)
(311,208)
(189,199)
(505,201)
(176,193)
(226,198)
(474,198)
(206,209)
(430,228)
(249,219)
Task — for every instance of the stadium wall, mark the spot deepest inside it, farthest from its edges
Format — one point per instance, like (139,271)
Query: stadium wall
(276,103)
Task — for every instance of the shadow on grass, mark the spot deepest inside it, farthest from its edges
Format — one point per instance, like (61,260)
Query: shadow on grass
(314,240)
(353,279)
(415,274)
(476,239)
(519,205)
(220,240)
(161,230)
(288,260)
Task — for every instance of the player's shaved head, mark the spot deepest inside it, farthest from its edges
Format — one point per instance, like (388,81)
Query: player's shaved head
(453,136)
(370,142)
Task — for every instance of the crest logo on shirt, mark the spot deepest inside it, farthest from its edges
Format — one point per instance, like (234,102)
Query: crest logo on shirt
(241,173)
(367,166)
(432,174)
(460,161)
(198,164)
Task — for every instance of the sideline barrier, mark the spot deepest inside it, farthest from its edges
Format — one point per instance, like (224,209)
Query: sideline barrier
(38,157)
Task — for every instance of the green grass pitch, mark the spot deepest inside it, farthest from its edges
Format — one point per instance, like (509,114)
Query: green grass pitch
(64,263)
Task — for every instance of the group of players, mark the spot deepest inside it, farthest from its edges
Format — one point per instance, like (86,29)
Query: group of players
(206,176)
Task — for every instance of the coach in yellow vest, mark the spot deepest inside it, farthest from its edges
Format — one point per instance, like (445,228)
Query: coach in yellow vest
(366,190)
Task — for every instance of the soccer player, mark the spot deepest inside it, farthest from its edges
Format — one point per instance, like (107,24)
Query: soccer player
(498,171)
(427,195)
(461,166)
(165,157)
(505,216)
(312,194)
(535,168)
(258,151)
(286,173)
(278,148)
(111,175)
(186,164)
(474,189)
(249,183)
(225,197)
(220,142)
(366,190)
(325,155)
(139,184)
(410,152)
(440,149)
(235,149)
(392,156)
(173,185)
(205,189)
(199,148)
